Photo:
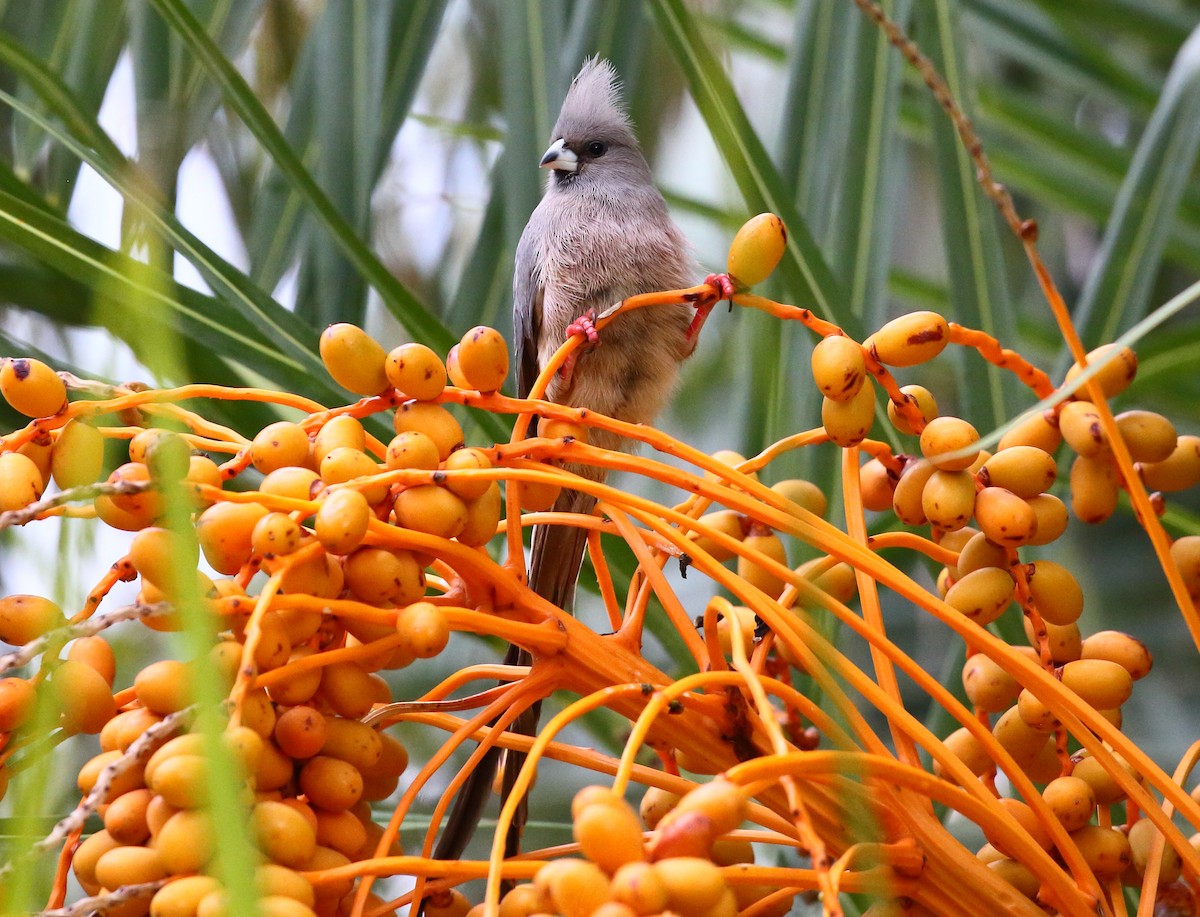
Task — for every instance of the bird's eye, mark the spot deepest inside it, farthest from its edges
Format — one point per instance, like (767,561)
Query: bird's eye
(596,149)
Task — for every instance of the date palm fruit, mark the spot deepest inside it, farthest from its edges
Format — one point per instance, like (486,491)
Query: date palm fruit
(756,249)
(910,340)
(848,422)
(1114,377)
(919,397)
(838,367)
(354,359)
(415,371)
(31,387)
(483,358)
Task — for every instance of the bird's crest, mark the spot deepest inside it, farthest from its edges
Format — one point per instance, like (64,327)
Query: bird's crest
(594,100)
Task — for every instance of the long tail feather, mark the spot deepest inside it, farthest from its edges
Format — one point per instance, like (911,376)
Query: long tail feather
(555,559)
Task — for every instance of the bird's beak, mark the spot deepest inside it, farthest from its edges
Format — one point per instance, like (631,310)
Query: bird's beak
(560,157)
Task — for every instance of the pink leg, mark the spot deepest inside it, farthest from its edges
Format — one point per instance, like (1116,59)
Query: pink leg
(585,325)
(723,285)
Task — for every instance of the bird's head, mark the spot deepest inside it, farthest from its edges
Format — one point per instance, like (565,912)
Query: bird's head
(593,141)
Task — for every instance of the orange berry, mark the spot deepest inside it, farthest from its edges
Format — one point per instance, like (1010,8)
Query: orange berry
(416,371)
(26,617)
(31,387)
(354,359)
(944,435)
(483,358)
(468,488)
(279,445)
(342,520)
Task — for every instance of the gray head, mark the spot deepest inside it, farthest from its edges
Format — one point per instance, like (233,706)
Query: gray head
(593,141)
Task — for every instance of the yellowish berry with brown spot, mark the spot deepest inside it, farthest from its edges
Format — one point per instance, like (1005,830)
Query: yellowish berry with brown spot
(910,340)
(757,249)
(31,387)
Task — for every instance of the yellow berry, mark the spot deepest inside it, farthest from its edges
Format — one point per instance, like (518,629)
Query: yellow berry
(919,397)
(78,455)
(1094,488)
(804,494)
(1150,437)
(1025,470)
(1033,429)
(1103,684)
(83,696)
(483,517)
(424,629)
(412,449)
(910,339)
(224,531)
(1004,517)
(339,431)
(944,436)
(948,499)
(1142,837)
(609,834)
(982,595)
(1055,591)
(1121,648)
(276,534)
(354,359)
(1079,422)
(908,494)
(1071,800)
(988,686)
(838,367)
(1116,375)
(295,483)
(1105,850)
(1179,471)
(769,544)
(757,249)
(379,575)
(284,835)
(848,422)
(1052,518)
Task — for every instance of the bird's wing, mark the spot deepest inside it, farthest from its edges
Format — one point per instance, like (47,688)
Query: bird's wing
(528,292)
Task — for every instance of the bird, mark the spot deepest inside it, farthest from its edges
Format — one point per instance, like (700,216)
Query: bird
(600,234)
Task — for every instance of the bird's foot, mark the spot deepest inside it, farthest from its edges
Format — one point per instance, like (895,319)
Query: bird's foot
(723,284)
(585,325)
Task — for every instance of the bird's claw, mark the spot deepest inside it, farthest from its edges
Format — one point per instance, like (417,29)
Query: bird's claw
(723,284)
(585,325)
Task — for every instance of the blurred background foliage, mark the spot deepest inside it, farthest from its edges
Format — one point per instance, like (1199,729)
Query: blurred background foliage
(375,161)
